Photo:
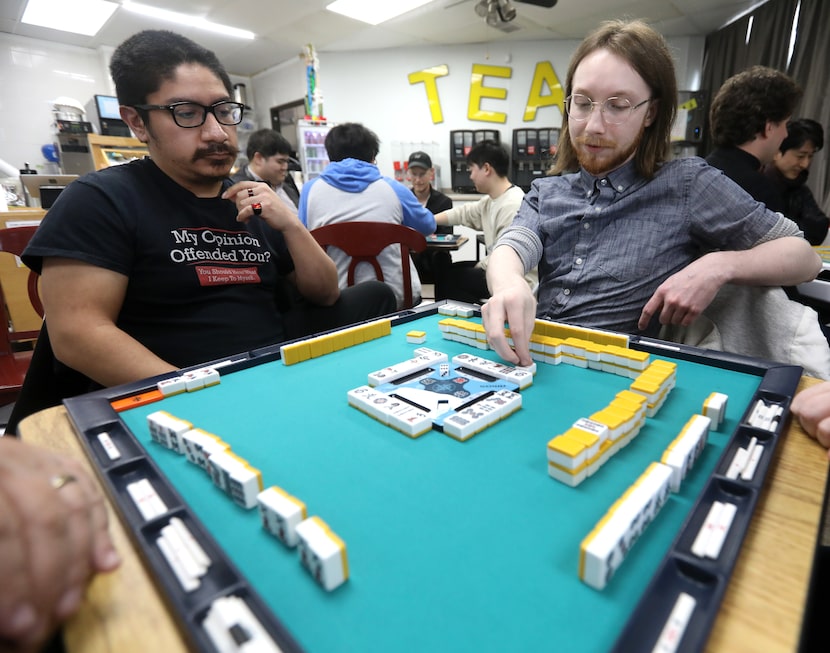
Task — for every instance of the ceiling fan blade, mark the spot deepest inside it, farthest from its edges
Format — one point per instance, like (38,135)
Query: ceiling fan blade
(539,3)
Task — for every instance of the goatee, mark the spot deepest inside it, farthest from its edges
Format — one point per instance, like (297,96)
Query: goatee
(606,161)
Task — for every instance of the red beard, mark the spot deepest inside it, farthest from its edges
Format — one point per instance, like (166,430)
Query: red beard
(607,160)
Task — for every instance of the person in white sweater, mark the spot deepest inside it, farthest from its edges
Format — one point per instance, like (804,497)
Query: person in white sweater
(467,280)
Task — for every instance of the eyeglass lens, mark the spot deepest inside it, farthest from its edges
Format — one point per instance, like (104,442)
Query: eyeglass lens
(615,110)
(190,114)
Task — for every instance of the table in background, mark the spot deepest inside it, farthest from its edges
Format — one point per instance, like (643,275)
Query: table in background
(762,608)
(446,244)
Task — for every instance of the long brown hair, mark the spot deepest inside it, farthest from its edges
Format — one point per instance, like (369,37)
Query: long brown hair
(648,53)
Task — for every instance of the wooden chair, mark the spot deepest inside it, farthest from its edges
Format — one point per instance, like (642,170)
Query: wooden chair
(363,241)
(16,346)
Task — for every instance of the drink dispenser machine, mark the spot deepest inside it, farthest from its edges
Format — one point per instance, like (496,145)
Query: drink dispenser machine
(461,142)
(533,152)
(486,135)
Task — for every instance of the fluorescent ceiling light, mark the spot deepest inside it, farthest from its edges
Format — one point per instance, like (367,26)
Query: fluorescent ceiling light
(185,19)
(78,16)
(374,11)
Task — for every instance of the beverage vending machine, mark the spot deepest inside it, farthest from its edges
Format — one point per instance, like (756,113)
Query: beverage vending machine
(533,152)
(311,145)
(461,142)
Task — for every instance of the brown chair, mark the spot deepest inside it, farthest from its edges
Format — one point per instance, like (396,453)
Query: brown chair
(363,241)
(16,346)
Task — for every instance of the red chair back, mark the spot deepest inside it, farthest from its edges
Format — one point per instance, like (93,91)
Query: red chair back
(363,241)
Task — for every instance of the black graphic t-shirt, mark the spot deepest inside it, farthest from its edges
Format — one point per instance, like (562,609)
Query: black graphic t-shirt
(201,285)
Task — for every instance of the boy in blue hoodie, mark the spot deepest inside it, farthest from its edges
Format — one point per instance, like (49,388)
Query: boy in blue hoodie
(351,188)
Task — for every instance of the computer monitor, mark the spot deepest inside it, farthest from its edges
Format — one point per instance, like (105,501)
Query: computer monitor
(42,190)
(108,116)
(107,107)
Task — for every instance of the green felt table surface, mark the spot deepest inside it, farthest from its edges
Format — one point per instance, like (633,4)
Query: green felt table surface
(452,546)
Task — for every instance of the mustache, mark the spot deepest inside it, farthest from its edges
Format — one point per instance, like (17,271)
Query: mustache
(216,148)
(594,142)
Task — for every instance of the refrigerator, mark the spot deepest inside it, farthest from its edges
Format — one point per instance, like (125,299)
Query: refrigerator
(311,144)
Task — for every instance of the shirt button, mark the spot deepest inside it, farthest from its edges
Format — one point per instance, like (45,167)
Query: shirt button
(604,182)
(620,188)
(585,225)
(578,261)
(597,209)
(566,291)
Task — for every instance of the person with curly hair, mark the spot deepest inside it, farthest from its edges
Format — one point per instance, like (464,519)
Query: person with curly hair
(748,121)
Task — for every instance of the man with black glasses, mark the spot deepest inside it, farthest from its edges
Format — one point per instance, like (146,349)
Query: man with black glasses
(624,238)
(162,263)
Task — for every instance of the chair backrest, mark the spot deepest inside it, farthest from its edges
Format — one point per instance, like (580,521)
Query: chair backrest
(13,240)
(363,241)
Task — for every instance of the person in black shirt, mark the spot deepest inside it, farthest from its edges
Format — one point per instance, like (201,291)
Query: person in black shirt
(421,175)
(788,174)
(748,119)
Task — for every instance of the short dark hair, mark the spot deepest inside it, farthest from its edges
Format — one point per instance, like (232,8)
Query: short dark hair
(351,140)
(267,142)
(648,54)
(144,61)
(746,101)
(488,151)
(800,131)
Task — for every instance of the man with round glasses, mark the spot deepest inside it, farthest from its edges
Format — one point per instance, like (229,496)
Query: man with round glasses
(624,238)
(162,263)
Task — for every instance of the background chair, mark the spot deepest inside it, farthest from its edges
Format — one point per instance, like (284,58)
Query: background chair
(363,241)
(16,346)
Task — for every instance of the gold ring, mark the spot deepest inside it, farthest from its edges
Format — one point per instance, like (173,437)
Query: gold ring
(61,480)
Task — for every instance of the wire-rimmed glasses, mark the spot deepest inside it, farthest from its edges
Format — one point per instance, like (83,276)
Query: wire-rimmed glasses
(615,110)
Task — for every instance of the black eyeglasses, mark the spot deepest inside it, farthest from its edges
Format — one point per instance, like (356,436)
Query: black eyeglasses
(191,114)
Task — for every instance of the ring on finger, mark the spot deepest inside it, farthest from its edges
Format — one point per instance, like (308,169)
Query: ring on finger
(250,192)
(62,480)
(257,207)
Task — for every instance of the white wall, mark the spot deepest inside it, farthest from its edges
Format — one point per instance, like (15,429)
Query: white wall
(32,74)
(371,87)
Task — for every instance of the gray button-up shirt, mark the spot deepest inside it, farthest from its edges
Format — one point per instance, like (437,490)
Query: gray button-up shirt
(604,245)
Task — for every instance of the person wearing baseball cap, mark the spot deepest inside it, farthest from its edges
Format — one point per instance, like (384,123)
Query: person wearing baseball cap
(421,175)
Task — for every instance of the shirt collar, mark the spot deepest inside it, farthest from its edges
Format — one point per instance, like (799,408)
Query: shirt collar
(620,179)
(256,177)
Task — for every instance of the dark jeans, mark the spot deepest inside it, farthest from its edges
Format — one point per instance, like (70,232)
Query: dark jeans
(430,262)
(361,302)
(463,282)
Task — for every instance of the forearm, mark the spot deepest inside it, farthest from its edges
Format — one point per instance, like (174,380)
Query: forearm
(780,262)
(103,352)
(315,273)
(82,303)
(504,269)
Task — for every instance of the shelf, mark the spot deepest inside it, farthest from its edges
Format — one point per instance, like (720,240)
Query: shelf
(114,150)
